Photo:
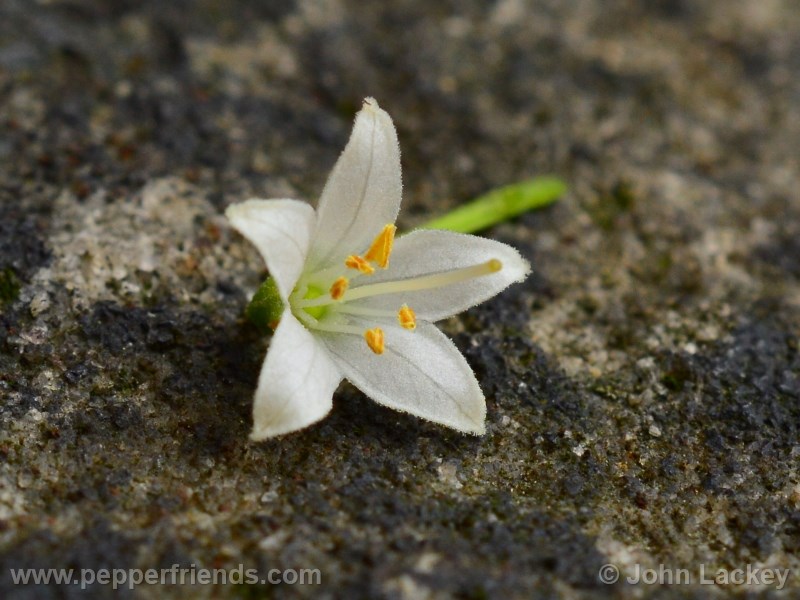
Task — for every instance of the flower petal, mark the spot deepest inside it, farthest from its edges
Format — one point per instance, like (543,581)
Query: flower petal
(419,372)
(281,230)
(363,191)
(424,252)
(297,381)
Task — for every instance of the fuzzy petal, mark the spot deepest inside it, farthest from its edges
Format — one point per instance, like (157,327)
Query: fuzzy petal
(363,191)
(281,230)
(424,252)
(297,381)
(419,372)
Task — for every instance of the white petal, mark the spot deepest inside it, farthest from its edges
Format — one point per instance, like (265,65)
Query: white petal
(424,252)
(363,191)
(281,230)
(297,381)
(420,372)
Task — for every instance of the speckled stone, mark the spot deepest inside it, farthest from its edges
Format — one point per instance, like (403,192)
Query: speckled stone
(643,385)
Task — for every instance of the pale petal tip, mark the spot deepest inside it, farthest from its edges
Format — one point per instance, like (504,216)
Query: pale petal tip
(272,429)
(259,435)
(267,426)
(519,266)
(265,431)
(370,104)
(478,422)
(233,210)
(478,430)
(240,209)
(472,421)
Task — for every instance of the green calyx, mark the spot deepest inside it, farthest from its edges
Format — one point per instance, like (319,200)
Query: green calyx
(266,307)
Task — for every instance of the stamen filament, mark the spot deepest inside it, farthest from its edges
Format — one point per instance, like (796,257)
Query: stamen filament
(313,323)
(426,282)
(363,311)
(414,284)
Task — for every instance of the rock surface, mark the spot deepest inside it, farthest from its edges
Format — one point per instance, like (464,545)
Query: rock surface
(643,385)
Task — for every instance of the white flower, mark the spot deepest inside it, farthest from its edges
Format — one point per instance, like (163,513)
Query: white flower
(359,305)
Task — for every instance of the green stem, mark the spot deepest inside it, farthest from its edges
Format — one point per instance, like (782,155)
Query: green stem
(501,204)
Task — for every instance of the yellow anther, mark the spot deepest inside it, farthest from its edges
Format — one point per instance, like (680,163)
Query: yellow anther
(381,246)
(374,339)
(407,318)
(360,264)
(494,265)
(339,287)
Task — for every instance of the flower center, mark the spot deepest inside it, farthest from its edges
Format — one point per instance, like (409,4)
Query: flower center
(333,311)
(312,292)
